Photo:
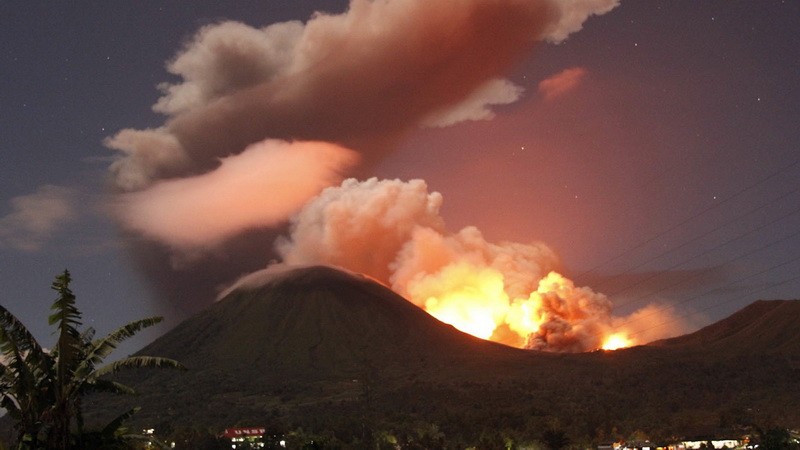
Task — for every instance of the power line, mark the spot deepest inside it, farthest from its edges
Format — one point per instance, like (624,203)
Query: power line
(706,252)
(720,289)
(716,305)
(699,237)
(692,217)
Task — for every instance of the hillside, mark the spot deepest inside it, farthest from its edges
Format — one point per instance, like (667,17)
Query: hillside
(319,321)
(761,327)
(332,352)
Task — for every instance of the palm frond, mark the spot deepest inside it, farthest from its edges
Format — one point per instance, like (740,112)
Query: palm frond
(135,362)
(104,385)
(105,346)
(88,334)
(67,319)
(42,390)
(11,405)
(130,329)
(65,314)
(115,426)
(16,330)
(24,374)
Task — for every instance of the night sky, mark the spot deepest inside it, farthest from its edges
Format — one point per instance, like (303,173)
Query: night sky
(660,162)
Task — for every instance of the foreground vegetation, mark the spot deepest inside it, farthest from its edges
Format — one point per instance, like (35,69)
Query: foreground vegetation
(42,390)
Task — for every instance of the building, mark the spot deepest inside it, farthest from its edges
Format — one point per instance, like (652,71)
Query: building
(250,438)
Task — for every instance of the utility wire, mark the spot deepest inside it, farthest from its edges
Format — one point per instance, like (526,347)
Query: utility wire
(699,237)
(716,305)
(706,252)
(719,289)
(693,217)
(729,261)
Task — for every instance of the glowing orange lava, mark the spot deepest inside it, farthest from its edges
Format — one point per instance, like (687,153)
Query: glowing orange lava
(550,312)
(616,342)
(470,299)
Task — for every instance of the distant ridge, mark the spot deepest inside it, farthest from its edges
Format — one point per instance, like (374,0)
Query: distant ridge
(320,349)
(765,326)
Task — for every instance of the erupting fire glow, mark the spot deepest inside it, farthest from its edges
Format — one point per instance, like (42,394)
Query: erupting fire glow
(505,292)
(470,299)
(616,341)
(476,300)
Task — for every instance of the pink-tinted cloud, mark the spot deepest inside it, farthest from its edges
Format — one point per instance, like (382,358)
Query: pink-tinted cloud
(561,83)
(257,188)
(361,225)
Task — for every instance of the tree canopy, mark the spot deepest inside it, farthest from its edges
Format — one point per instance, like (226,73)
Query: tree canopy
(42,389)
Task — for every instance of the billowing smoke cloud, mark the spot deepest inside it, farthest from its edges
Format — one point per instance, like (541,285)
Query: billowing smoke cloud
(361,226)
(241,148)
(36,216)
(653,322)
(374,71)
(507,292)
(354,78)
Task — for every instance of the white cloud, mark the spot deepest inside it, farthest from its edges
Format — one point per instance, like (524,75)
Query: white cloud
(36,217)
(478,105)
(572,15)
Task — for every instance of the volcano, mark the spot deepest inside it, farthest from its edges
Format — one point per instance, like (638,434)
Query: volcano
(320,349)
(320,321)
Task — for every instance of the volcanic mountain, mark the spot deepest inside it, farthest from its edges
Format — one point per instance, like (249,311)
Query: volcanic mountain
(320,321)
(765,327)
(324,350)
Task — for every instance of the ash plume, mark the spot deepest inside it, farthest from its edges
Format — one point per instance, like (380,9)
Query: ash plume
(264,119)
(356,78)
(507,292)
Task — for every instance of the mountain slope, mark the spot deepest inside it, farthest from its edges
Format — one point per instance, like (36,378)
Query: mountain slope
(323,350)
(761,327)
(317,319)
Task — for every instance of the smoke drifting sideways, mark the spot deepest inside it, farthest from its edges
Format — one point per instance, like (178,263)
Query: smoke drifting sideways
(265,119)
(358,79)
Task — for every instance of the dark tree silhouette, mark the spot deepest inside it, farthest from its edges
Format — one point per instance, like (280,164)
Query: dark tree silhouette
(42,390)
(778,439)
(554,439)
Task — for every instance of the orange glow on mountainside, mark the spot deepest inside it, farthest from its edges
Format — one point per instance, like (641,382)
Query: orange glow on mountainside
(616,342)
(476,301)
